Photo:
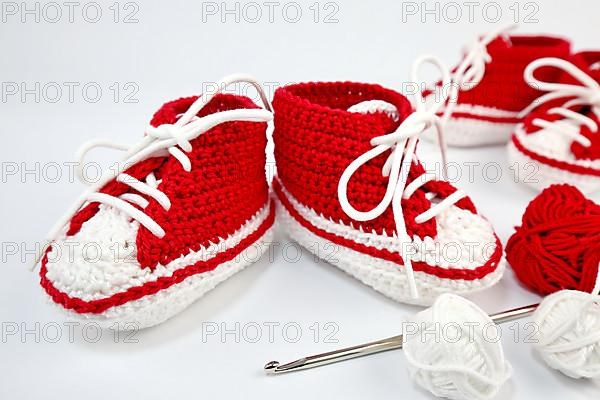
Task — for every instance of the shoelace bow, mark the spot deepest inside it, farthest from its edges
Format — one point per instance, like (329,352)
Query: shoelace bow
(164,140)
(402,147)
(585,94)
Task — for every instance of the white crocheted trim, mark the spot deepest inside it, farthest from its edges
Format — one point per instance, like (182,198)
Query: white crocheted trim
(465,238)
(383,276)
(540,175)
(483,111)
(471,109)
(552,144)
(154,309)
(469,132)
(101,259)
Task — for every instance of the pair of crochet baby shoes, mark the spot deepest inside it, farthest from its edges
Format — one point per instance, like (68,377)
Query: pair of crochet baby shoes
(189,205)
(533,94)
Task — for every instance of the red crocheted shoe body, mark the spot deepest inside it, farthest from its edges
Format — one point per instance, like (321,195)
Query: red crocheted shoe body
(316,138)
(107,266)
(486,111)
(559,140)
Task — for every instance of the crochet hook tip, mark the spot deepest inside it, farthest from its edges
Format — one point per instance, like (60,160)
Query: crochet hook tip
(274,367)
(271,367)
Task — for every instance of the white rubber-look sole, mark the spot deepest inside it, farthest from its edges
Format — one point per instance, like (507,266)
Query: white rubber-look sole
(154,309)
(539,175)
(468,132)
(383,276)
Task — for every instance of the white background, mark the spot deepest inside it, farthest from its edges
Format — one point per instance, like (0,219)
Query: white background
(175,50)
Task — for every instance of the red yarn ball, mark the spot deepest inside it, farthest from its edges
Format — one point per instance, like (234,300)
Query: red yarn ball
(558,245)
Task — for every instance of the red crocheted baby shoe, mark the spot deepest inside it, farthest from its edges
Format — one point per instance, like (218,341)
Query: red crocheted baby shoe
(488,91)
(187,208)
(559,140)
(332,143)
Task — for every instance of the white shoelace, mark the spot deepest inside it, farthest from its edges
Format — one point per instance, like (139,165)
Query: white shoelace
(164,140)
(586,94)
(471,70)
(402,146)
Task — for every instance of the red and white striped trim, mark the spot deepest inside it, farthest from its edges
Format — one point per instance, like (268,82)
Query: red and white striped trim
(472,125)
(583,174)
(166,290)
(485,113)
(375,259)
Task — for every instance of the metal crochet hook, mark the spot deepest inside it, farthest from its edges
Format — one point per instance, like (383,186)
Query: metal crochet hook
(379,346)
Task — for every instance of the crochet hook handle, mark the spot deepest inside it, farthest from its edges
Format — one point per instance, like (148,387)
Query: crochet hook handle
(515,313)
(379,346)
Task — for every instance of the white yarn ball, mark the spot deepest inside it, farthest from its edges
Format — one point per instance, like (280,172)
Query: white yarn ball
(461,362)
(568,333)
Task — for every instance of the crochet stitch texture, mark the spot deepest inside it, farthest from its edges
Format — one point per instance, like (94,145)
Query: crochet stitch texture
(492,91)
(218,210)
(559,139)
(315,139)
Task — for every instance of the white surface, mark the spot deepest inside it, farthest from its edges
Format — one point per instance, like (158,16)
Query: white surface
(172,53)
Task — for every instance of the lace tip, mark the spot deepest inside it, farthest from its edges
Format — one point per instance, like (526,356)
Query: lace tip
(38,258)
(414,292)
(34,264)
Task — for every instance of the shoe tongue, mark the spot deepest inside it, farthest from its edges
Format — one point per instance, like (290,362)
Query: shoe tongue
(169,112)
(588,62)
(499,45)
(594,71)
